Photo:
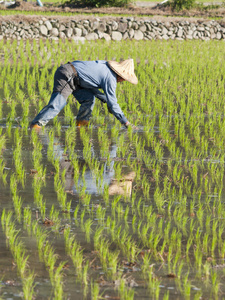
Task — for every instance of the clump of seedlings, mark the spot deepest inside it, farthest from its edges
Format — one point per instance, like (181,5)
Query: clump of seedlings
(61,187)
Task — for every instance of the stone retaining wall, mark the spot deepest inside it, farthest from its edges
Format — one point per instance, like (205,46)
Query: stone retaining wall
(111,29)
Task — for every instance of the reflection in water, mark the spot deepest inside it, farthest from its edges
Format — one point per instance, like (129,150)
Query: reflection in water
(92,186)
(88,179)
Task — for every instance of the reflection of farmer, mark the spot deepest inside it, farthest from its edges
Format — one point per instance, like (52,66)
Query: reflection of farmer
(122,187)
(92,186)
(83,79)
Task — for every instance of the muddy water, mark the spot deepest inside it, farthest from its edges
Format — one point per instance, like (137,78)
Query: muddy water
(10,281)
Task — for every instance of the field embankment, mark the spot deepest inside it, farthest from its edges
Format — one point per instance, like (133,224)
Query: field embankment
(113,28)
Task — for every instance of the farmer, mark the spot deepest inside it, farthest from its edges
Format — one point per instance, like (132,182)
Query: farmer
(83,79)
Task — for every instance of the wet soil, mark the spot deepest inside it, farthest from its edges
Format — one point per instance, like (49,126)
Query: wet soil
(135,10)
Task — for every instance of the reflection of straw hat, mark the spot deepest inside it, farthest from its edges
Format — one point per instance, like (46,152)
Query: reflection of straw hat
(123,187)
(124,69)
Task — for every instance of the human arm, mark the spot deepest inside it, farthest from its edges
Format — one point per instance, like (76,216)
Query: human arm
(109,88)
(101,96)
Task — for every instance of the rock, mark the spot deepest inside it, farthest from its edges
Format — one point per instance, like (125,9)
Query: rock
(86,24)
(205,38)
(62,35)
(54,32)
(143,28)
(123,20)
(116,36)
(114,25)
(125,36)
(69,32)
(91,36)
(207,34)
(43,30)
(62,27)
(195,35)
(190,32)
(138,35)
(84,32)
(164,31)
(94,25)
(165,37)
(108,29)
(125,28)
(103,35)
(100,34)
(106,36)
(135,26)
(78,39)
(80,26)
(130,19)
(131,33)
(218,36)
(179,33)
(102,27)
(77,31)
(122,27)
(48,25)
(54,38)
(129,24)
(149,28)
(201,28)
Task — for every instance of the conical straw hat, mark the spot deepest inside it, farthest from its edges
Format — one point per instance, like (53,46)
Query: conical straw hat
(124,69)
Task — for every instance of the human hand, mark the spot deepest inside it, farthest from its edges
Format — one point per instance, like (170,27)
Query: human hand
(129,125)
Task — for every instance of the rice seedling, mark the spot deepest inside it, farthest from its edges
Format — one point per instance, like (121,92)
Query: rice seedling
(19,254)
(174,214)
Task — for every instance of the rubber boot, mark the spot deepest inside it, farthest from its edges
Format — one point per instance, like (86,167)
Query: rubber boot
(81,123)
(35,127)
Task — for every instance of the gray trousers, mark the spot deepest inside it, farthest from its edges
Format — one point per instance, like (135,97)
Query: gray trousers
(61,91)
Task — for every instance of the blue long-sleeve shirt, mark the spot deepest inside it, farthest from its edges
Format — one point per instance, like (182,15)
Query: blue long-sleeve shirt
(97,74)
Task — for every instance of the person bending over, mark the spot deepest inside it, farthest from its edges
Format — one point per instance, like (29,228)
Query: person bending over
(83,79)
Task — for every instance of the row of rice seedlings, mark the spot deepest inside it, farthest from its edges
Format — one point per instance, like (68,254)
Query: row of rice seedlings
(59,175)
(17,201)
(19,254)
(48,255)
(37,157)
(17,156)
(46,252)
(175,186)
(48,49)
(3,173)
(39,181)
(75,252)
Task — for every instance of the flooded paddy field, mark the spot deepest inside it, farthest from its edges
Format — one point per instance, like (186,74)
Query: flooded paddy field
(104,212)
